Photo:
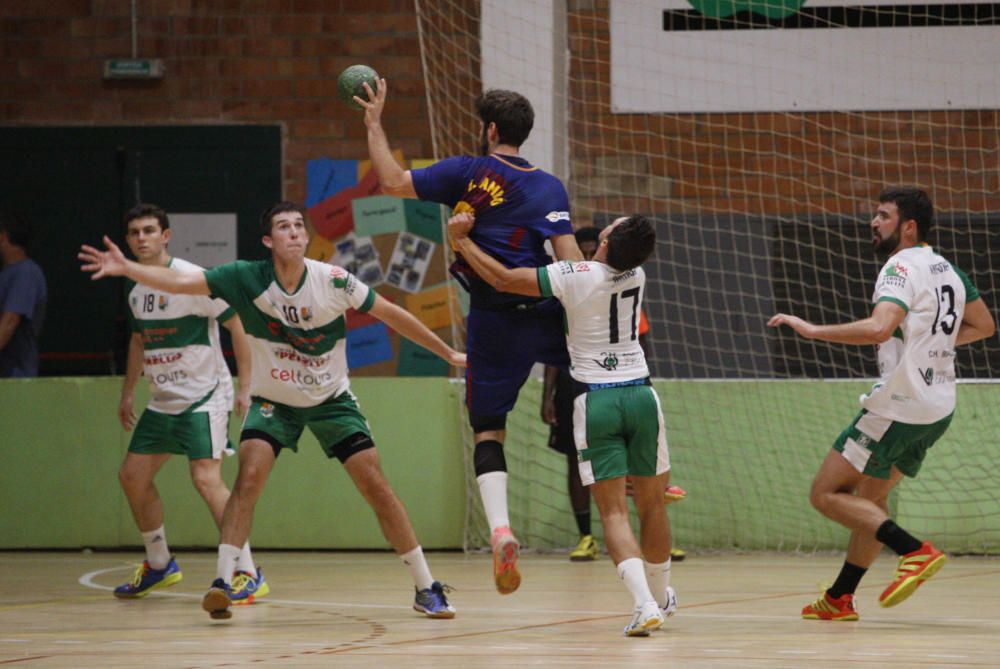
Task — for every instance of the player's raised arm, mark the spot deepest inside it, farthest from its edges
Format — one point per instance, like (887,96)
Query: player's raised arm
(875,329)
(518,280)
(113,263)
(392,178)
(406,324)
(566,248)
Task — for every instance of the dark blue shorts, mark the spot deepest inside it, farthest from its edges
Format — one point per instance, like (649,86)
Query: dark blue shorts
(503,346)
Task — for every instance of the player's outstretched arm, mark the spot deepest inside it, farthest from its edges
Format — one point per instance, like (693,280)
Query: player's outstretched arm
(977,323)
(406,324)
(392,178)
(112,262)
(518,280)
(876,329)
(566,248)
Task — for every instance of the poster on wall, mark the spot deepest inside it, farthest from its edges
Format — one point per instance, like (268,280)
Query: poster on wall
(795,55)
(409,261)
(359,256)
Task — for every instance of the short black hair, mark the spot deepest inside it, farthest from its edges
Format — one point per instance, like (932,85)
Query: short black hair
(267,216)
(630,243)
(912,203)
(146,210)
(511,112)
(19,231)
(587,234)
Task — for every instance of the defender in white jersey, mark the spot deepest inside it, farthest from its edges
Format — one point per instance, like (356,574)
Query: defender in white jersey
(175,343)
(617,420)
(923,308)
(293,310)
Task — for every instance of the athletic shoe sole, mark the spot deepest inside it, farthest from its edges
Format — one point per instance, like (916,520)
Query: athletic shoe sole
(910,584)
(505,574)
(217,603)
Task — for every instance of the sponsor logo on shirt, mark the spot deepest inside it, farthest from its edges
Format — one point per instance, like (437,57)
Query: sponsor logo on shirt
(554,216)
(162,358)
(342,279)
(298,341)
(299,378)
(895,275)
(565,267)
(931,379)
(581,267)
(266,409)
(169,377)
(608,362)
(307,314)
(940,267)
(292,355)
(163,302)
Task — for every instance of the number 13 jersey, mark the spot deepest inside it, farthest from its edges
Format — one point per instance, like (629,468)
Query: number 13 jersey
(602,318)
(917,364)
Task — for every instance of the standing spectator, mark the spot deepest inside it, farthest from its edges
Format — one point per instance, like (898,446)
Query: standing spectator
(23,295)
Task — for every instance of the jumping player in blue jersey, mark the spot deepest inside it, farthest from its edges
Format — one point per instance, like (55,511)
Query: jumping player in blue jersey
(517,208)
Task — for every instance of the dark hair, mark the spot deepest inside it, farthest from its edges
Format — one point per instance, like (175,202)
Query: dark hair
(267,216)
(148,211)
(912,203)
(510,111)
(19,231)
(587,234)
(630,243)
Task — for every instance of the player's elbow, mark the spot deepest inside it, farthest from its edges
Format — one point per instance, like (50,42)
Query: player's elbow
(881,332)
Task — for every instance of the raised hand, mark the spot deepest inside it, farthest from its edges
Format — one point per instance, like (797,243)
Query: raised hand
(102,263)
(375,103)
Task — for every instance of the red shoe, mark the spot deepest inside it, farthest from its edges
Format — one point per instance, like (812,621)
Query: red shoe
(505,552)
(827,608)
(914,568)
(674,494)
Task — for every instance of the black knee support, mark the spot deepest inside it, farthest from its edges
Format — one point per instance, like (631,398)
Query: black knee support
(481,423)
(488,457)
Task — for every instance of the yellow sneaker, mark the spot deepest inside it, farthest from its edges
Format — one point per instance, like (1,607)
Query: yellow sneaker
(585,551)
(677,555)
(246,589)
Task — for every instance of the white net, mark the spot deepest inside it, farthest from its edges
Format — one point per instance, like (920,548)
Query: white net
(739,128)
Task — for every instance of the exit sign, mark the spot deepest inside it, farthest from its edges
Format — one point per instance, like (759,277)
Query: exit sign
(133,68)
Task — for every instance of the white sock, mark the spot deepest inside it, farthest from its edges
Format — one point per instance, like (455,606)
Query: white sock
(632,573)
(157,552)
(419,570)
(245,563)
(658,577)
(493,490)
(228,557)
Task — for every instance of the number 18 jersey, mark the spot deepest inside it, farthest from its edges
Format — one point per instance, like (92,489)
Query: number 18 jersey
(917,364)
(602,318)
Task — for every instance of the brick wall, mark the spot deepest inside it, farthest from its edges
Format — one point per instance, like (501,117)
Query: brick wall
(227,61)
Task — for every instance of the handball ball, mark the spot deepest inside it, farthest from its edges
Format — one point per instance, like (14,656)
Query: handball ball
(350,81)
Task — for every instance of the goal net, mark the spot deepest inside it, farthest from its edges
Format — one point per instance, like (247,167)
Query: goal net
(757,135)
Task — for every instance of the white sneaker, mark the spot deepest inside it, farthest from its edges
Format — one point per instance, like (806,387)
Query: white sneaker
(646,618)
(670,608)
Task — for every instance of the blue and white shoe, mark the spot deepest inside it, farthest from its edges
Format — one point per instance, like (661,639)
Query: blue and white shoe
(146,579)
(670,608)
(432,601)
(217,600)
(246,589)
(645,619)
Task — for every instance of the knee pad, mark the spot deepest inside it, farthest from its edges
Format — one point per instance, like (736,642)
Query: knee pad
(481,423)
(488,457)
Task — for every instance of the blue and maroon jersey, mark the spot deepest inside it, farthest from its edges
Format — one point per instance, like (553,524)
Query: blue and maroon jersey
(517,207)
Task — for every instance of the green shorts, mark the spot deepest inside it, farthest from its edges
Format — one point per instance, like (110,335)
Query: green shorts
(333,422)
(619,431)
(873,444)
(198,434)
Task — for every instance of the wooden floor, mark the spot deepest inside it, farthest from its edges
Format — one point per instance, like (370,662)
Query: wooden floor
(353,610)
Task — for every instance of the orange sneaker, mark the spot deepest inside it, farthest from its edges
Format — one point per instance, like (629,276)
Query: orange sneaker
(828,608)
(914,568)
(673,494)
(505,552)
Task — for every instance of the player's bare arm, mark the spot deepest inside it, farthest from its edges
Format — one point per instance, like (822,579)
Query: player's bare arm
(112,262)
(241,349)
(876,329)
(392,178)
(8,324)
(566,248)
(133,369)
(406,324)
(977,323)
(518,280)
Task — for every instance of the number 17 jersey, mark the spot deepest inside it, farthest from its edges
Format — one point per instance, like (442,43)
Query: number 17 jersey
(602,318)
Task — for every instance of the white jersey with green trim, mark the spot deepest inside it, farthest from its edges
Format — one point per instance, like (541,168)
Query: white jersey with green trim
(917,365)
(182,357)
(602,318)
(298,339)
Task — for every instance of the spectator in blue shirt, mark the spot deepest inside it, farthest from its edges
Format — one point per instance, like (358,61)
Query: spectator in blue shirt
(23,295)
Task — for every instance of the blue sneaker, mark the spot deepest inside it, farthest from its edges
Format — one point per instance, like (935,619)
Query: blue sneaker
(146,579)
(217,600)
(246,589)
(432,601)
